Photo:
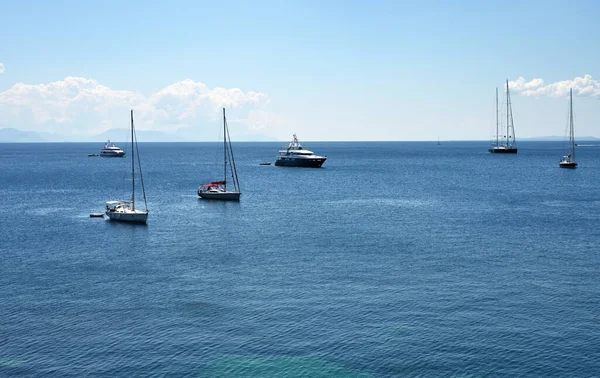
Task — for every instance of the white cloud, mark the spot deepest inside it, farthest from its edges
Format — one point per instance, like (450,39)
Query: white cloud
(584,86)
(85,106)
(185,100)
(64,101)
(1,68)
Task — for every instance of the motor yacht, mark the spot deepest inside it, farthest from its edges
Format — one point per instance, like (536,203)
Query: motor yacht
(110,150)
(294,155)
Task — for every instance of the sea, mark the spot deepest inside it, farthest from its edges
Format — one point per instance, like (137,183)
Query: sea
(395,259)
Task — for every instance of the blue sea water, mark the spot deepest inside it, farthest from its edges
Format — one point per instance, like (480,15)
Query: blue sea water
(394,259)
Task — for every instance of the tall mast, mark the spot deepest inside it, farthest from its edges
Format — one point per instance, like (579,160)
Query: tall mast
(224,152)
(234,175)
(497,141)
(132,167)
(507,111)
(572,132)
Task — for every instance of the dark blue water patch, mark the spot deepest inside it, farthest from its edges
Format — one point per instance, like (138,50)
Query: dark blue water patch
(394,259)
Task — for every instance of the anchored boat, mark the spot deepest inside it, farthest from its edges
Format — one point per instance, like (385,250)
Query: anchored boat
(110,150)
(568,161)
(508,146)
(218,189)
(294,155)
(125,210)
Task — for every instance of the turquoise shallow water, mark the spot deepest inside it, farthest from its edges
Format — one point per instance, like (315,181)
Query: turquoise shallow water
(394,259)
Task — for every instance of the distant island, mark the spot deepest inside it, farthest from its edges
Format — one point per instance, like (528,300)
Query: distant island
(15,135)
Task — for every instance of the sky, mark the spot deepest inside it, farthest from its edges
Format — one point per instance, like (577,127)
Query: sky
(326,70)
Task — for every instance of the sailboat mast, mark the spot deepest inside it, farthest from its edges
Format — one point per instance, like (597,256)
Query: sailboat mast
(132,167)
(234,175)
(571,132)
(224,152)
(497,141)
(507,111)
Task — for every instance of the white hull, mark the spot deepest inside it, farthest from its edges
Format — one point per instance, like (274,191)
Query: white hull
(112,154)
(225,196)
(134,216)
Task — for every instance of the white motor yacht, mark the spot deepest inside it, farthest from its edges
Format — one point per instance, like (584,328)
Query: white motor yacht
(110,150)
(293,155)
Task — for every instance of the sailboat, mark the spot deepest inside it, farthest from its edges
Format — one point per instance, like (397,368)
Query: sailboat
(568,161)
(439,144)
(125,210)
(508,146)
(218,189)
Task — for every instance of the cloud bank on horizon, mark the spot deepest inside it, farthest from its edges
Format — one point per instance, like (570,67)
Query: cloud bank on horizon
(584,86)
(84,106)
(79,107)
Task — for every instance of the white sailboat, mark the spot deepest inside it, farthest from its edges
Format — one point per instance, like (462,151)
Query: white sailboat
(568,161)
(218,189)
(125,210)
(508,145)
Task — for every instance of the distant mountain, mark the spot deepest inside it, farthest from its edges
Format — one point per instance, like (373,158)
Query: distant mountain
(10,135)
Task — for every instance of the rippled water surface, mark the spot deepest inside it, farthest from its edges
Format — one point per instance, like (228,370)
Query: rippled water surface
(394,259)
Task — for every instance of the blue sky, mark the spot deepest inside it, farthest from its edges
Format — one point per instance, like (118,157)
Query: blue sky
(334,70)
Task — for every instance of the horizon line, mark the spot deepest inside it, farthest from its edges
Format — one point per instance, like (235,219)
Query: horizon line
(529,139)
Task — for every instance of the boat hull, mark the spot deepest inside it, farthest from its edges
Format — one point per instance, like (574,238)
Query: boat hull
(131,217)
(503,150)
(303,163)
(112,155)
(570,164)
(223,196)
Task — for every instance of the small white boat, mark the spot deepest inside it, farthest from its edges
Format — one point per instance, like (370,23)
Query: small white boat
(217,190)
(125,211)
(110,150)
